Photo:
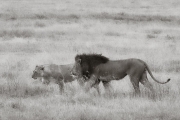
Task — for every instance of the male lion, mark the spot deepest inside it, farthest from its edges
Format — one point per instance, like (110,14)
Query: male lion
(113,70)
(86,66)
(60,73)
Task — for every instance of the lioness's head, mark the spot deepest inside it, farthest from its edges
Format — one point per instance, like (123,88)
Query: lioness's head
(77,70)
(38,72)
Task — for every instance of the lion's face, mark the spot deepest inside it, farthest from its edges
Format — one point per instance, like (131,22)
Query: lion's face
(38,72)
(77,70)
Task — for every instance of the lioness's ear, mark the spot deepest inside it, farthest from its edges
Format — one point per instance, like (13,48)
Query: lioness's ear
(79,60)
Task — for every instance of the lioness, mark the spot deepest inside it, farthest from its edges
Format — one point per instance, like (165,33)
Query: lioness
(60,73)
(114,70)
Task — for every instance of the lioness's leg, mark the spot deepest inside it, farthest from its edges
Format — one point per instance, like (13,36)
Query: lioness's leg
(41,79)
(45,80)
(147,84)
(135,83)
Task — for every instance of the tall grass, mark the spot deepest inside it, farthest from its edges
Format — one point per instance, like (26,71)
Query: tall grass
(45,32)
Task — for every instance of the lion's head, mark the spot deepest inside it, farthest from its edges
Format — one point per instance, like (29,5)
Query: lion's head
(86,63)
(38,72)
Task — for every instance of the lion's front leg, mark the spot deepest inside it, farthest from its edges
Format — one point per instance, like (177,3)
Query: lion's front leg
(91,82)
(108,87)
(96,86)
(81,81)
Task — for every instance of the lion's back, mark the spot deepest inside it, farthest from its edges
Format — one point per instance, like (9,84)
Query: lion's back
(53,70)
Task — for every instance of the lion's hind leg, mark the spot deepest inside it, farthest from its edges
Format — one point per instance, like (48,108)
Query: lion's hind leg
(61,87)
(60,81)
(147,84)
(135,83)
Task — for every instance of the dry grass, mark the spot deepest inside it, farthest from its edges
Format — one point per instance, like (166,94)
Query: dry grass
(42,32)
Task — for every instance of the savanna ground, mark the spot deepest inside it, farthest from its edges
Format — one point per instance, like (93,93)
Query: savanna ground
(34,32)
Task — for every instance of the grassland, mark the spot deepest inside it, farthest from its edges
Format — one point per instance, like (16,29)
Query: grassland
(37,32)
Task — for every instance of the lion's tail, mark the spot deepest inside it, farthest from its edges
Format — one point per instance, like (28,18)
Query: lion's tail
(150,73)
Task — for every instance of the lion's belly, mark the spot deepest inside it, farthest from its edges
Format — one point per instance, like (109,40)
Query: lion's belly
(107,77)
(111,71)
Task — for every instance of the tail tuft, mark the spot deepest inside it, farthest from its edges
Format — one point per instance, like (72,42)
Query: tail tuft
(168,80)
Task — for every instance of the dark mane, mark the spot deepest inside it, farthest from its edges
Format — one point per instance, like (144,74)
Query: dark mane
(90,61)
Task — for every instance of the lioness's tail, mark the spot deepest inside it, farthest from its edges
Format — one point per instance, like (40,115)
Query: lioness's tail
(150,73)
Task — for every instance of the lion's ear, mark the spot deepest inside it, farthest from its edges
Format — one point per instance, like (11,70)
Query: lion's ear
(79,60)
